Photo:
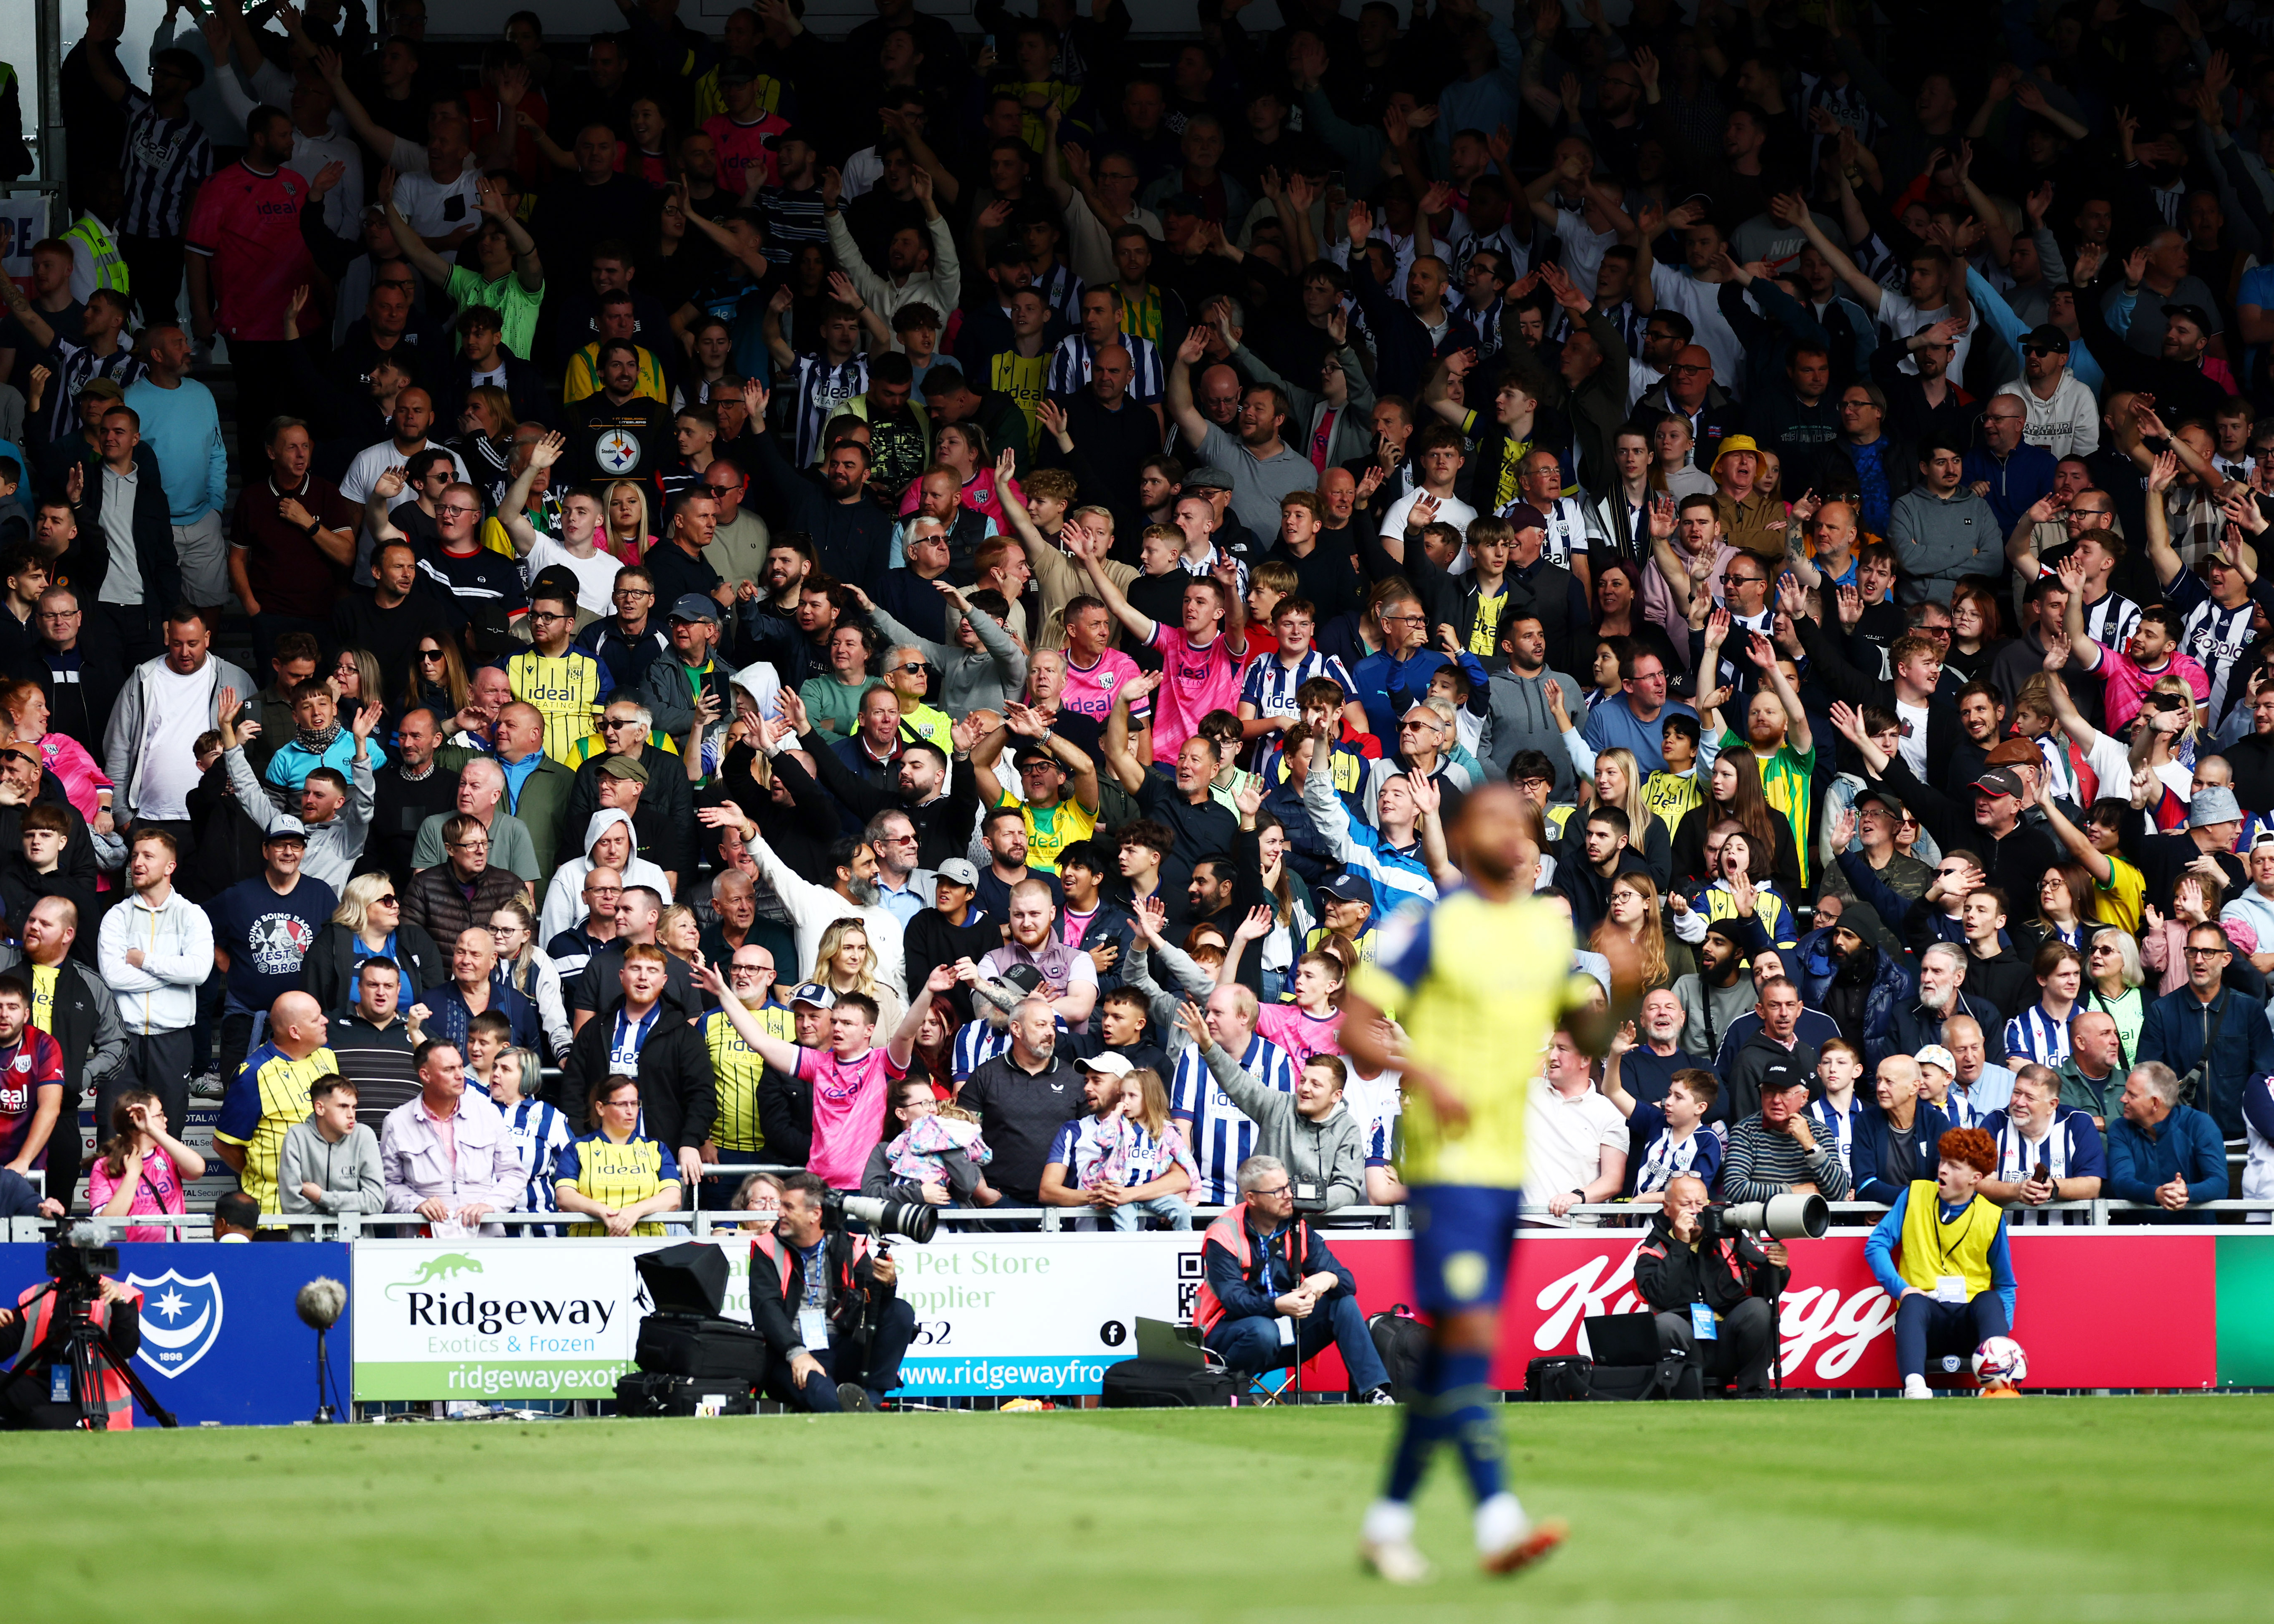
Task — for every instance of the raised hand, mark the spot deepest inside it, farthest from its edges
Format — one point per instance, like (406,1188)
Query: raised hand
(1850,606)
(390,482)
(1257,924)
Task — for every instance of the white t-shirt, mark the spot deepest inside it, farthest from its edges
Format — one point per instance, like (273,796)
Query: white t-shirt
(1451,510)
(1565,1139)
(1902,317)
(596,576)
(437,208)
(177,709)
(362,473)
(1913,747)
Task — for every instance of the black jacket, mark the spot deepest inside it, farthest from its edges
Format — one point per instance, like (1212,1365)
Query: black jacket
(1762,1065)
(153,524)
(1671,1274)
(856,1298)
(1828,665)
(328,974)
(942,826)
(1914,1027)
(679,1094)
(786,1117)
(668,795)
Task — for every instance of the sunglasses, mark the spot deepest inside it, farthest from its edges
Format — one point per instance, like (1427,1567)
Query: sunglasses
(386,901)
(426,654)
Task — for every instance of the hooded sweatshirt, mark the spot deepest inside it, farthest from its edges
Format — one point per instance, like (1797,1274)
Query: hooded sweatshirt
(1327,1152)
(564,898)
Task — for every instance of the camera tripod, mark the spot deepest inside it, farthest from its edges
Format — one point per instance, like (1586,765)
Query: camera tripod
(74,1344)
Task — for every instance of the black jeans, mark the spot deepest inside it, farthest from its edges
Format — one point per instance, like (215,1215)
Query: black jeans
(1740,1354)
(153,266)
(1926,1328)
(158,1061)
(875,1366)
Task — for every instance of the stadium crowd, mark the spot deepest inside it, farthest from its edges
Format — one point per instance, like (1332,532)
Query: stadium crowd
(933,629)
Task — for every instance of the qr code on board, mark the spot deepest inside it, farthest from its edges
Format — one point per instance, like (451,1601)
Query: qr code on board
(1190,1274)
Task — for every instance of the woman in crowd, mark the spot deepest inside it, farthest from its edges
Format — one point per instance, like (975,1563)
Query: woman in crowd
(142,1168)
(2065,908)
(844,962)
(1634,911)
(1618,782)
(1735,893)
(1292,912)
(522,965)
(1617,591)
(1731,794)
(630,531)
(356,681)
(615,1175)
(1975,640)
(934,1060)
(437,681)
(86,785)
(369,924)
(2113,974)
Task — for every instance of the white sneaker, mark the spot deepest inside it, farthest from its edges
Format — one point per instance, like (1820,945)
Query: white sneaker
(1398,1560)
(207,1088)
(1914,1387)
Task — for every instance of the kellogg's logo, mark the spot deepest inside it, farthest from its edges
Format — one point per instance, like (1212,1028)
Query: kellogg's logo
(1812,1318)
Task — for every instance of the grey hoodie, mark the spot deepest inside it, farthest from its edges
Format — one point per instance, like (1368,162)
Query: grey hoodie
(1327,1152)
(1519,719)
(334,845)
(349,1171)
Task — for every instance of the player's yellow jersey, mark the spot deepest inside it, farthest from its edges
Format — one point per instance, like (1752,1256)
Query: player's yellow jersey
(1479,986)
(1670,796)
(569,689)
(738,1069)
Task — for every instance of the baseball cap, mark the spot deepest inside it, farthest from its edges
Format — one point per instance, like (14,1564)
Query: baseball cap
(556,581)
(959,871)
(2195,313)
(815,994)
(1936,1055)
(2001,781)
(101,389)
(274,835)
(2216,804)
(738,71)
(1024,977)
(1348,888)
(693,606)
(2045,337)
(2013,753)
(1207,478)
(623,767)
(1523,516)
(1107,1061)
(1894,807)
(1032,751)
(1180,203)
(780,138)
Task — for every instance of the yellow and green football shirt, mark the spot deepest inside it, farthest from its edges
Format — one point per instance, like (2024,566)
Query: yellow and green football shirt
(1479,986)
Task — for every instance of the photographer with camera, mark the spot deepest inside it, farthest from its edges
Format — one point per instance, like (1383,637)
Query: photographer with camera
(827,1302)
(1711,1290)
(114,1311)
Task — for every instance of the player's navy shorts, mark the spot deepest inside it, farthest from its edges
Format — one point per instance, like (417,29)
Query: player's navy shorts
(1462,1234)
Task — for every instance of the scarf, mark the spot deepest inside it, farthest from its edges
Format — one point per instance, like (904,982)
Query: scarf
(316,740)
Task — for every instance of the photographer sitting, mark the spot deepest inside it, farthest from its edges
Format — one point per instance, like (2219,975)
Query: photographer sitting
(26,1402)
(1953,1282)
(827,1304)
(1268,1273)
(1715,1290)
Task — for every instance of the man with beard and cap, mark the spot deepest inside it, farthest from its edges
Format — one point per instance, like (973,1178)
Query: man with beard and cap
(1849,975)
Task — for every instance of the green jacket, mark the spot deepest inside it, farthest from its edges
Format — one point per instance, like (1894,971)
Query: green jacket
(542,807)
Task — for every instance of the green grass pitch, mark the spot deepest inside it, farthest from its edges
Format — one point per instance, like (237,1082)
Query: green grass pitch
(2125,1510)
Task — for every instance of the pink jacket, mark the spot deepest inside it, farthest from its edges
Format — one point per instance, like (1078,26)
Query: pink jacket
(67,758)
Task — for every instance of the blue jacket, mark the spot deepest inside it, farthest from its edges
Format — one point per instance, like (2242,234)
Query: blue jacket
(2185,1144)
(1887,1234)
(1890,990)
(1868,1169)
(2015,483)
(2243,1049)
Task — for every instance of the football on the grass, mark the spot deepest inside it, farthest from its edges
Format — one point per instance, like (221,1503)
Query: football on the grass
(2000,1360)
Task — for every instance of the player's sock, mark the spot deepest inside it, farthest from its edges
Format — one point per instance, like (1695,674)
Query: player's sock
(1464,1416)
(1423,1430)
(1388,1521)
(1500,1523)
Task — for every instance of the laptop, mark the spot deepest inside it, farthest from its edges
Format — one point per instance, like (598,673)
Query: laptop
(1164,1343)
(1621,1339)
